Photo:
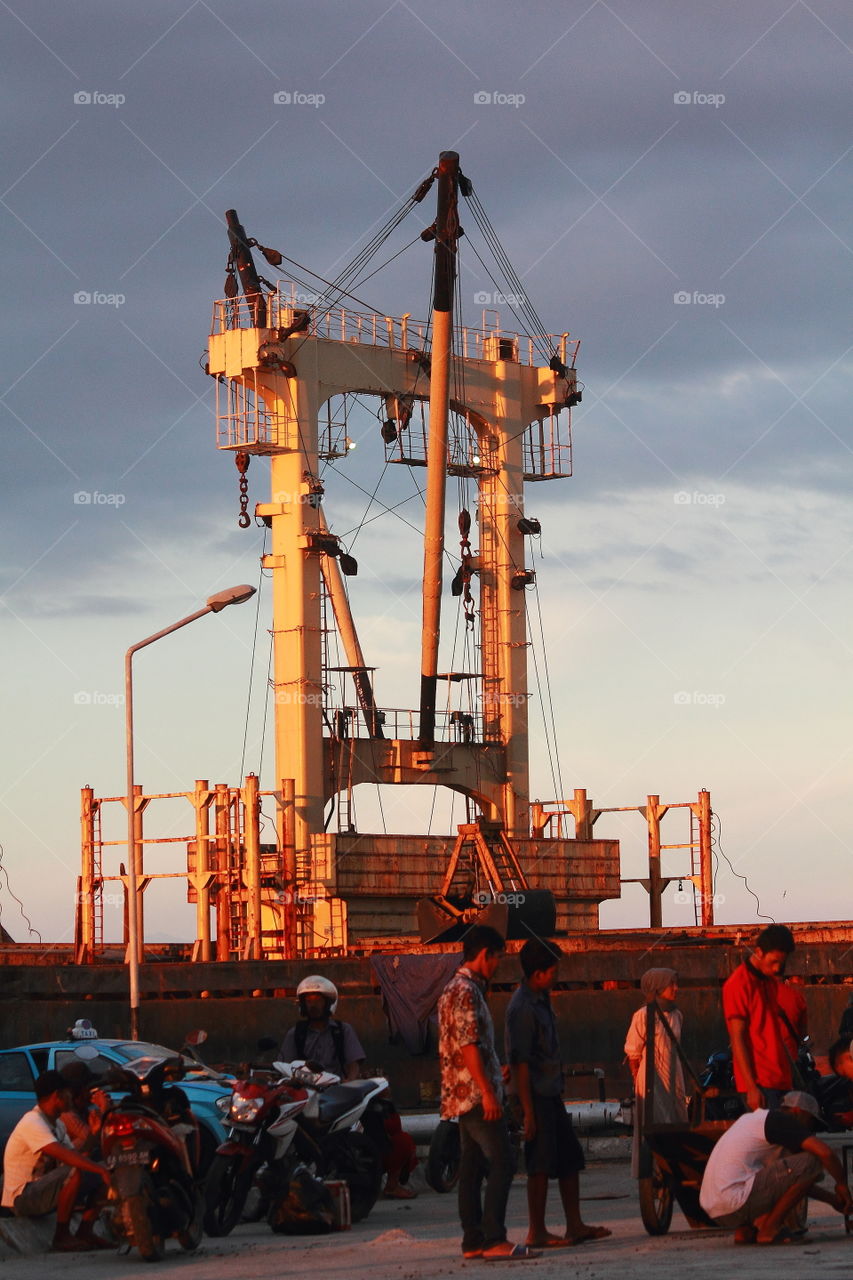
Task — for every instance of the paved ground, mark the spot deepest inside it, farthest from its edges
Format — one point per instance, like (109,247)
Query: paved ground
(419,1240)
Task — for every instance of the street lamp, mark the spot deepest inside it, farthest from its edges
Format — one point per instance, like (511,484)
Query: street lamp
(215,604)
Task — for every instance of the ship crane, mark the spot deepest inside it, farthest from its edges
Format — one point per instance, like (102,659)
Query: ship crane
(490,407)
(277,366)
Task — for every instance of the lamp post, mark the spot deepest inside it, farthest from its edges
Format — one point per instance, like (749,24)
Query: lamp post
(215,604)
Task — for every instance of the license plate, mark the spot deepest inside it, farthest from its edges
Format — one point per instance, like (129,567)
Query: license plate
(127,1157)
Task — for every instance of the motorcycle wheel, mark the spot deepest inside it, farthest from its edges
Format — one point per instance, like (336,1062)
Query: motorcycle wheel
(192,1237)
(225,1192)
(152,1247)
(442,1166)
(353,1158)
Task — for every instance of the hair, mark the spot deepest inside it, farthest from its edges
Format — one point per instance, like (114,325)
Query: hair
(50,1082)
(77,1076)
(482,936)
(536,956)
(776,937)
(835,1051)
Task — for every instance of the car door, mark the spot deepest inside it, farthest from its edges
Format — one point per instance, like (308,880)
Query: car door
(17,1090)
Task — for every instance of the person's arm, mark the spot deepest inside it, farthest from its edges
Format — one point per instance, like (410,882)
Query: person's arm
(67,1155)
(635,1042)
(472,1058)
(354,1054)
(521,1083)
(842,1200)
(520,1033)
(744,1065)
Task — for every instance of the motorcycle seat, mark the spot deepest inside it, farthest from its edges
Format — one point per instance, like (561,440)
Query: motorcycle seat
(340,1098)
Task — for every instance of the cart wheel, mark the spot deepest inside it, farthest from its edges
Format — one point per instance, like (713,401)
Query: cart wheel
(655,1203)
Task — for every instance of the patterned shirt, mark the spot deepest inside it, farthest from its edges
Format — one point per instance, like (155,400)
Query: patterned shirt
(463,1019)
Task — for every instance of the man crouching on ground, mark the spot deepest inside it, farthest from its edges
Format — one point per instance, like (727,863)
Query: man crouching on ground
(764,1165)
(42,1171)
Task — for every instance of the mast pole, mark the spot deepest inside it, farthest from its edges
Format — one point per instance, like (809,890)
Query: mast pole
(446,237)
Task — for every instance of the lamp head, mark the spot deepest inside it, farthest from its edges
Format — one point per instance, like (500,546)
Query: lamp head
(231,595)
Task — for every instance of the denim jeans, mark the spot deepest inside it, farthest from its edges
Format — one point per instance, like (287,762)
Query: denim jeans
(485,1154)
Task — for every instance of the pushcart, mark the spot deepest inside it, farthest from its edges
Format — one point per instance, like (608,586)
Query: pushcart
(672,1156)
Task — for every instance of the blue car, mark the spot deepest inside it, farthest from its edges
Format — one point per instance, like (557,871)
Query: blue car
(20,1066)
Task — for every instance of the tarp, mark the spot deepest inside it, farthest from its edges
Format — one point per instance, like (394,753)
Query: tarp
(410,986)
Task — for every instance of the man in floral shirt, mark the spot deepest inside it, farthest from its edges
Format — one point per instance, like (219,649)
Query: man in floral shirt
(472,1090)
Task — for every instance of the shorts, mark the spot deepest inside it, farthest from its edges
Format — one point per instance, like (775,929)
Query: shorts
(40,1196)
(770,1185)
(555,1150)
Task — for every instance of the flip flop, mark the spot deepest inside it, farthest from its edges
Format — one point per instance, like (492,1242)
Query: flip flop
(472,1253)
(553,1242)
(590,1233)
(517,1253)
(400,1193)
(782,1237)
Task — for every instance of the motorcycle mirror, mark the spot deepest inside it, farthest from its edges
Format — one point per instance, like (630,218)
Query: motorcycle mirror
(86,1052)
(266,1042)
(195,1038)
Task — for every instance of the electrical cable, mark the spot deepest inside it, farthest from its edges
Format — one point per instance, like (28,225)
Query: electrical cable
(15,898)
(715,840)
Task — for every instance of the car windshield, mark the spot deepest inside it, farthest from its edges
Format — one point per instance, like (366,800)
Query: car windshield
(140,1049)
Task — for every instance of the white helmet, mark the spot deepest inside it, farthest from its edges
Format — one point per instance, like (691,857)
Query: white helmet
(317,985)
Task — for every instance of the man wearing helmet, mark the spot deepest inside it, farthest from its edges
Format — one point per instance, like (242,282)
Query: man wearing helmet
(319,1037)
(333,1045)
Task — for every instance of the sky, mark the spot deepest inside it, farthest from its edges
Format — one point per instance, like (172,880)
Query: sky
(671,183)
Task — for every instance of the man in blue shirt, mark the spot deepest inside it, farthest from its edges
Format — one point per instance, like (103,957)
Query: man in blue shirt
(551,1147)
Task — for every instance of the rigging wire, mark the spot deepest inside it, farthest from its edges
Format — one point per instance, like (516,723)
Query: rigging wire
(556,771)
(252,660)
(535,329)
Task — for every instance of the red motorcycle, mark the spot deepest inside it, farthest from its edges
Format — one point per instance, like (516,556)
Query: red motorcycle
(261,1115)
(150,1142)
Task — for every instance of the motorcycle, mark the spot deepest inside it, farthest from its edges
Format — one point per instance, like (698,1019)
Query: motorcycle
(331,1136)
(150,1142)
(723,1102)
(261,1115)
(289,1127)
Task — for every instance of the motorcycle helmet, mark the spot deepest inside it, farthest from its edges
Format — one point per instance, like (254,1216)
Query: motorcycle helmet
(317,985)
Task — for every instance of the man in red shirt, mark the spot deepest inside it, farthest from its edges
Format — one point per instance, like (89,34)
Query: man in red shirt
(793,1012)
(751,1007)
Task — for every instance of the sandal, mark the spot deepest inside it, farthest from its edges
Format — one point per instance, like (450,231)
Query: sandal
(511,1253)
(785,1236)
(399,1193)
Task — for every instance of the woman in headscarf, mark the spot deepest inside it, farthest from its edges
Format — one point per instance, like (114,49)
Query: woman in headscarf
(660,987)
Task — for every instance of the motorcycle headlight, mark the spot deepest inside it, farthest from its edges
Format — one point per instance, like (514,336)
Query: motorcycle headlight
(223,1104)
(243,1110)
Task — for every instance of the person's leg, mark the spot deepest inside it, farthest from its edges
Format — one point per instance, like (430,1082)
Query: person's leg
(65,1203)
(569,1164)
(769,1224)
(537,1198)
(472,1169)
(495,1145)
(400,1160)
(778,1188)
(541,1161)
